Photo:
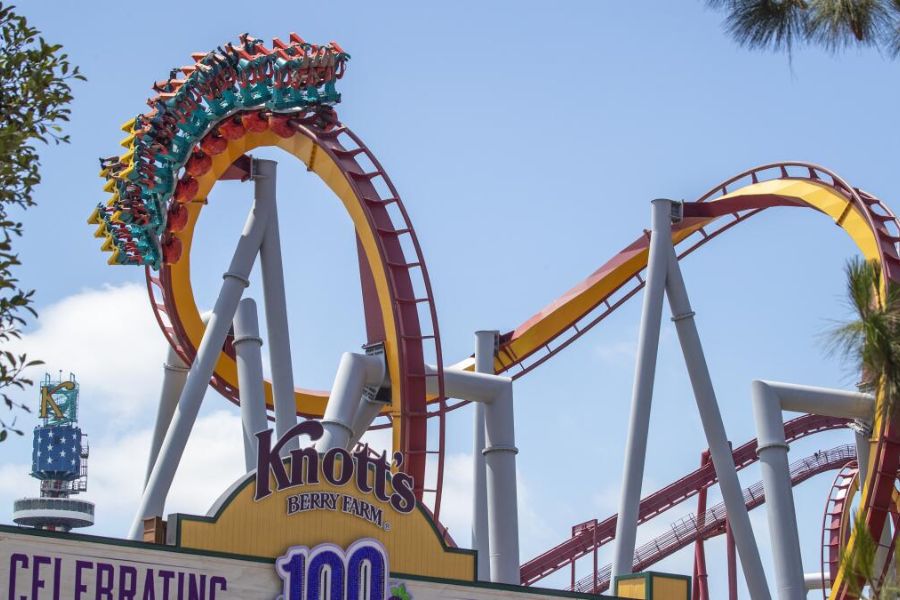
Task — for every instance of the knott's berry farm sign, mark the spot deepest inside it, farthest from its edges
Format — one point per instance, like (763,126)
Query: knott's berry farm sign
(309,526)
(306,468)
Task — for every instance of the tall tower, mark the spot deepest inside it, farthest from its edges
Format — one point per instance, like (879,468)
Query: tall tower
(59,460)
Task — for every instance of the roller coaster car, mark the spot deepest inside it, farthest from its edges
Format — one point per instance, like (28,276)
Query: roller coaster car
(280,124)
(254,121)
(199,163)
(235,85)
(232,128)
(176,218)
(171,249)
(186,189)
(213,143)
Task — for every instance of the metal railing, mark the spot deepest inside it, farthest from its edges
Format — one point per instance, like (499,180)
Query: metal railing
(687,530)
(28,504)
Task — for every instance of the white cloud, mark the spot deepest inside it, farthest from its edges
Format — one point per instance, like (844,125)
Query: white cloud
(109,338)
(456,499)
(15,482)
(535,534)
(212,461)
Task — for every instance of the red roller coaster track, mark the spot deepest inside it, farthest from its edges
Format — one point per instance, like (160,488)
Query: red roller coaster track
(660,501)
(688,530)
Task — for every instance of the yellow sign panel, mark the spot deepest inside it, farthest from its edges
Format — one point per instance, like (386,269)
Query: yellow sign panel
(650,585)
(311,498)
(47,401)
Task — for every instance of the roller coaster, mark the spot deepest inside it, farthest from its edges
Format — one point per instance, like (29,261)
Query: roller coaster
(204,120)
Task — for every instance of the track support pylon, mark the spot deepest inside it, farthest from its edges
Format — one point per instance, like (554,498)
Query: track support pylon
(664,278)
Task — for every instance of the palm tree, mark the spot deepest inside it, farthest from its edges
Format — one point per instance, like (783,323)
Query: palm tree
(833,24)
(872,339)
(872,342)
(862,564)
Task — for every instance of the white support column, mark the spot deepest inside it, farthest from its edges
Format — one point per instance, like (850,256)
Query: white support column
(275,302)
(862,431)
(248,355)
(714,428)
(366,411)
(813,581)
(642,395)
(496,393)
(371,403)
(485,344)
(500,462)
(235,280)
(174,375)
(354,373)
(769,400)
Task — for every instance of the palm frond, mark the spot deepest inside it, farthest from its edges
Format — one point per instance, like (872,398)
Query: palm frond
(837,24)
(892,35)
(860,563)
(872,339)
(768,24)
(833,24)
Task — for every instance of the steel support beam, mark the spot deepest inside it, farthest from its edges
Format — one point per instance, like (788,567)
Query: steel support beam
(371,403)
(279,339)
(813,581)
(664,279)
(769,400)
(235,280)
(496,393)
(701,577)
(366,413)
(485,343)
(731,562)
(248,356)
(500,463)
(355,372)
(714,428)
(174,375)
(645,370)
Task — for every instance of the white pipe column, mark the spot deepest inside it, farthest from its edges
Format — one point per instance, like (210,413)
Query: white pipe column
(275,302)
(862,431)
(248,356)
(366,411)
(236,278)
(642,395)
(174,375)
(500,463)
(371,403)
(714,428)
(769,400)
(496,393)
(354,373)
(485,344)
(813,581)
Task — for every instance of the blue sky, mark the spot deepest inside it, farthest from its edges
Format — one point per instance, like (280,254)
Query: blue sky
(527,140)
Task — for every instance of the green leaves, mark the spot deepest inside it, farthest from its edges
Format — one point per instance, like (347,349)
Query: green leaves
(863,568)
(35,94)
(833,24)
(872,340)
(399,592)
